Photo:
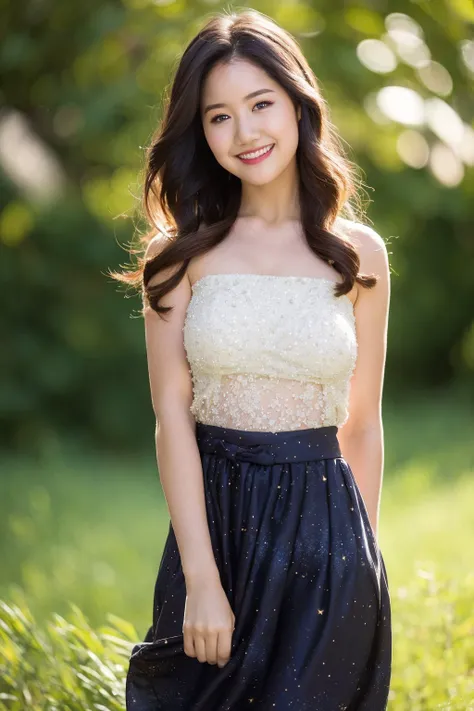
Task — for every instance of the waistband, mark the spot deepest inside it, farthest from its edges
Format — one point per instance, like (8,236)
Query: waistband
(269,447)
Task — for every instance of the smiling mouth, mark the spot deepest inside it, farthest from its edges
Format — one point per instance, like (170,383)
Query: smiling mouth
(251,155)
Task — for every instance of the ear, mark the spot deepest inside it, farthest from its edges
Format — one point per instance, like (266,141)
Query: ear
(298,112)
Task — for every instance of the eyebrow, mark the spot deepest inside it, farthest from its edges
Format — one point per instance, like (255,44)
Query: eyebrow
(249,96)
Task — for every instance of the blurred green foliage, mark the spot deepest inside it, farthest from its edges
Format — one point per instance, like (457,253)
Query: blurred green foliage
(82,89)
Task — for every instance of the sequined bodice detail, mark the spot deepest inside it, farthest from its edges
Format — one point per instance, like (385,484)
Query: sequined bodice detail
(269,353)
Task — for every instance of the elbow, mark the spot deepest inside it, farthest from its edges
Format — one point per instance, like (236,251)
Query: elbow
(362,425)
(172,416)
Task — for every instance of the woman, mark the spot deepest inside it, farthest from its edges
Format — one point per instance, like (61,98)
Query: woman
(266,321)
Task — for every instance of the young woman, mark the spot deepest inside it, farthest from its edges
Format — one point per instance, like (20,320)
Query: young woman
(266,314)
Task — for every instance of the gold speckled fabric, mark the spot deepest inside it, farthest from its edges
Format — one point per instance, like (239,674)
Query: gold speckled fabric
(303,574)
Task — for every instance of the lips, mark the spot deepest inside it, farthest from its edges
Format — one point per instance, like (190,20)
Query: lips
(254,150)
(260,158)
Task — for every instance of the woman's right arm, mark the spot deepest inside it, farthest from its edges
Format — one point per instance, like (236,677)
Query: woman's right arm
(209,619)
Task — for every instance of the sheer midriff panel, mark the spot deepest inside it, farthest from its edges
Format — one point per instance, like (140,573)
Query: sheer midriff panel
(266,403)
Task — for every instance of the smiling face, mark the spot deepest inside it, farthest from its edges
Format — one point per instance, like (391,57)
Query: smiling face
(243,124)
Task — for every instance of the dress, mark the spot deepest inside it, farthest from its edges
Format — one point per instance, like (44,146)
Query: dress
(271,359)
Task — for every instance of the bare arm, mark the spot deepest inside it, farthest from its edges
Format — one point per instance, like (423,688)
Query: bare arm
(361,437)
(178,457)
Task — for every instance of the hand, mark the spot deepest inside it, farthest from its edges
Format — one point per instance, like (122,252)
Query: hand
(208,622)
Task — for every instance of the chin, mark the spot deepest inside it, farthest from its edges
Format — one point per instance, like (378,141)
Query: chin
(262,181)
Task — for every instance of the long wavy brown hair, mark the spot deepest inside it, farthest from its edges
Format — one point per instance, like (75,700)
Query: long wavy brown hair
(193,202)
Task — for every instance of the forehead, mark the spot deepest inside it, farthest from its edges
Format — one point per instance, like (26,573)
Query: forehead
(231,82)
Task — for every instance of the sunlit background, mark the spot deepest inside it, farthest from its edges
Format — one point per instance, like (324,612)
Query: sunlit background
(83,517)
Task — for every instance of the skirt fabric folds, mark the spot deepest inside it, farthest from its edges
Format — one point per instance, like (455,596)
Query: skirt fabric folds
(303,574)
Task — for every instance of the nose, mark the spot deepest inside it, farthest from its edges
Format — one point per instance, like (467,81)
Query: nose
(246,130)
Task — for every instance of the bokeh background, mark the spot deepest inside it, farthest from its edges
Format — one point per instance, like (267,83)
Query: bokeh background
(82,515)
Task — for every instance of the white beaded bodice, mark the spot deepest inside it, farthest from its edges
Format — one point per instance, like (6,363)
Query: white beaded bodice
(269,352)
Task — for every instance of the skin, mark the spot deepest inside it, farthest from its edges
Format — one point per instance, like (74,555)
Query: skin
(266,238)
(244,125)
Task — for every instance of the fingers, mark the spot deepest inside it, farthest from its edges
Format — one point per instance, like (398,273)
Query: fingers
(224,645)
(188,639)
(212,646)
(201,644)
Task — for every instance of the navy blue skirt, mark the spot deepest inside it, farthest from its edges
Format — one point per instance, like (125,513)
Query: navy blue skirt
(303,574)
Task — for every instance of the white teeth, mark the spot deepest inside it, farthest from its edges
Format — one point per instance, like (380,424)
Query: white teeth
(256,154)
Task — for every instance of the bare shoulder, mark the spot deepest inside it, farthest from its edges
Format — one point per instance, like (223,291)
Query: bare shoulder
(370,247)
(180,295)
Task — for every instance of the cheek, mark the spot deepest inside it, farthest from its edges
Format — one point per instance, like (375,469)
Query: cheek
(283,127)
(218,141)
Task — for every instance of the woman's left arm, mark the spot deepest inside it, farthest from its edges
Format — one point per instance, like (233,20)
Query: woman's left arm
(361,437)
